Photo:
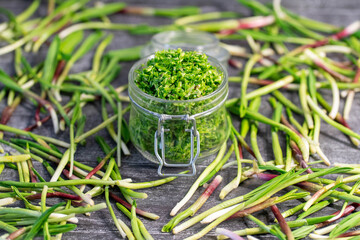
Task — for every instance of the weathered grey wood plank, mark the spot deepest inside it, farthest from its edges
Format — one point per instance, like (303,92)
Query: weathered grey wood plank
(162,199)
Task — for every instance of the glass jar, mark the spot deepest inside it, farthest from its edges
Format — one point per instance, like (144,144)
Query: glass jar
(183,131)
(189,41)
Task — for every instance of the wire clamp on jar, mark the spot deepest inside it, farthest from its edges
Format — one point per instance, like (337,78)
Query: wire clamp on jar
(160,134)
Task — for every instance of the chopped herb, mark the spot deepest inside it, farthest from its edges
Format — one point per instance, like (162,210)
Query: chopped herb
(178,75)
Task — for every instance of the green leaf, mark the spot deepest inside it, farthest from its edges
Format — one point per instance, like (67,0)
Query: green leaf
(87,45)
(99,11)
(41,220)
(303,231)
(50,62)
(68,44)
(57,229)
(9,83)
(125,54)
(347,223)
(272,168)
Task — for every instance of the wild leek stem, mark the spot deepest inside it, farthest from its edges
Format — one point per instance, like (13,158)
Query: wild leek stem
(340,127)
(195,185)
(62,183)
(194,207)
(293,135)
(117,224)
(27,134)
(243,101)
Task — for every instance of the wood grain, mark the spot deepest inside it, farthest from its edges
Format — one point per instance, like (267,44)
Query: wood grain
(162,199)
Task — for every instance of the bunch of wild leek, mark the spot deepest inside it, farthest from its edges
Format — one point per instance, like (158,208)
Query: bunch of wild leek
(46,221)
(65,95)
(303,70)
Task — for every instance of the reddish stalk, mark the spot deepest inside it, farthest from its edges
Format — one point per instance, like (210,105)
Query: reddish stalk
(128,206)
(7,113)
(48,107)
(357,75)
(249,23)
(59,68)
(349,234)
(249,150)
(282,222)
(269,202)
(263,82)
(286,123)
(352,28)
(98,167)
(227,32)
(321,64)
(307,186)
(255,22)
(132,10)
(32,174)
(265,176)
(206,194)
(241,151)
(195,206)
(37,115)
(341,77)
(299,157)
(34,39)
(317,195)
(348,210)
(347,31)
(339,118)
(67,174)
(32,127)
(235,63)
(95,169)
(55,195)
(345,65)
(17,233)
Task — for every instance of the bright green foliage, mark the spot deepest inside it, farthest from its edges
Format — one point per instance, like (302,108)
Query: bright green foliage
(178,75)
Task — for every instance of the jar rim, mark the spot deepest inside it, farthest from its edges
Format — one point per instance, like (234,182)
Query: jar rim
(164,38)
(142,61)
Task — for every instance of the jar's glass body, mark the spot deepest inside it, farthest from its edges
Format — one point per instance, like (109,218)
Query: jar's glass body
(209,112)
(189,41)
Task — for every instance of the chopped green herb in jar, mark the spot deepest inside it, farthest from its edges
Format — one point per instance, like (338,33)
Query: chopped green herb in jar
(178,75)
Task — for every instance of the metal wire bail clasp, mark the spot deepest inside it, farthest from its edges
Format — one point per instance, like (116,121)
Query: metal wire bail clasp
(160,134)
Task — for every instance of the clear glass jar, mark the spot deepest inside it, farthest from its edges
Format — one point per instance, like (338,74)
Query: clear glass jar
(189,41)
(183,131)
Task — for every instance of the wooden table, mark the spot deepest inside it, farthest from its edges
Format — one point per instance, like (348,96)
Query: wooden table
(162,199)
